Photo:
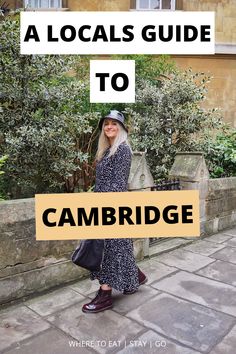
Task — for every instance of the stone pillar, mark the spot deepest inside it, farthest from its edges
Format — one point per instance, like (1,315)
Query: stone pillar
(191,169)
(140,179)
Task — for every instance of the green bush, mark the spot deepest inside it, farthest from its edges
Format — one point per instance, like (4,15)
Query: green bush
(167,117)
(220,153)
(43,125)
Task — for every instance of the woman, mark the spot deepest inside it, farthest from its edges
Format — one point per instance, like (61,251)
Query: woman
(119,270)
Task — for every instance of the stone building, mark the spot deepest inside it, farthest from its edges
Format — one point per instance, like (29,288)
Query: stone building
(222,65)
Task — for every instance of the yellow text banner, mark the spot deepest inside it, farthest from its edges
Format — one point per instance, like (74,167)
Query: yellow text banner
(117,215)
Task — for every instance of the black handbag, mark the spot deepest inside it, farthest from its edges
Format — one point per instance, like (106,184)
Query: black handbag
(89,254)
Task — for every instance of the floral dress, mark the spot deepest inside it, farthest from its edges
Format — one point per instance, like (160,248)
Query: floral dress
(119,269)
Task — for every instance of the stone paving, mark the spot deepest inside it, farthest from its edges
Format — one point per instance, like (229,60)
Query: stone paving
(187,306)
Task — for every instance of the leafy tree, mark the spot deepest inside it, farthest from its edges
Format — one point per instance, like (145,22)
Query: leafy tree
(43,124)
(168,118)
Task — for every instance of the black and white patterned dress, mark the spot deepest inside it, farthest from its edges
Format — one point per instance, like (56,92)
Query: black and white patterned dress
(119,269)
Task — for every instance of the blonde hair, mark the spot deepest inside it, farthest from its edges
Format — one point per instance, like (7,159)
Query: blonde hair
(103,142)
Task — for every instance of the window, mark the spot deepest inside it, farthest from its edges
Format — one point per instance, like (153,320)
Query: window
(44,4)
(155,5)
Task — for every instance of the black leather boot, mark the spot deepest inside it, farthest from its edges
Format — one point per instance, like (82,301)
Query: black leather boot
(101,302)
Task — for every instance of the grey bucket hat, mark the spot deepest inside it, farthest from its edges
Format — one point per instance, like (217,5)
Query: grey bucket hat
(116,115)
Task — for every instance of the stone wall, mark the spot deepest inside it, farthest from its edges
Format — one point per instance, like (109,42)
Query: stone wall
(28,266)
(221,89)
(13,4)
(217,196)
(225,16)
(225,11)
(97,5)
(220,205)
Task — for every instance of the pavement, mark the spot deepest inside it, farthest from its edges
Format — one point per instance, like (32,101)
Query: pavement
(187,306)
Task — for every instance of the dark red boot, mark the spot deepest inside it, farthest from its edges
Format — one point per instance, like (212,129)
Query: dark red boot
(141,277)
(101,302)
(142,280)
